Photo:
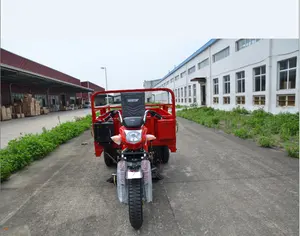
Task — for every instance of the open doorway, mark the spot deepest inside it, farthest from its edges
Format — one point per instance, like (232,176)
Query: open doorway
(203,95)
(63,99)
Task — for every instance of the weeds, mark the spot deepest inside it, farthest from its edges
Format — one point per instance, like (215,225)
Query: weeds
(268,130)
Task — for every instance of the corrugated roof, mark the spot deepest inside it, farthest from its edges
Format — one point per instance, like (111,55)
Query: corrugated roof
(200,50)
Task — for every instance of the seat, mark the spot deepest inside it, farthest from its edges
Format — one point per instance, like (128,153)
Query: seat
(133,109)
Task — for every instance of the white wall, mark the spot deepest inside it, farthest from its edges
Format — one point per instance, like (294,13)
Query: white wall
(264,52)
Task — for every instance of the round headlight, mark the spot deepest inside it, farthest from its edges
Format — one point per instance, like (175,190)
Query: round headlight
(133,136)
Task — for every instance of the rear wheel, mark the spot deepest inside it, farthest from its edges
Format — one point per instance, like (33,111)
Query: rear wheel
(107,157)
(135,203)
(165,154)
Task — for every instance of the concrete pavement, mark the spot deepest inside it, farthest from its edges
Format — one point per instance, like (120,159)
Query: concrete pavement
(215,184)
(15,128)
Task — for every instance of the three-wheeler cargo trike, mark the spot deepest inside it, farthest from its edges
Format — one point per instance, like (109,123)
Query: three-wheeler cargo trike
(136,137)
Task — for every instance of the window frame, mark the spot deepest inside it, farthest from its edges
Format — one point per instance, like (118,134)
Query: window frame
(286,100)
(288,73)
(191,70)
(220,52)
(243,81)
(259,100)
(248,42)
(226,82)
(203,63)
(240,100)
(215,100)
(224,98)
(216,86)
(260,75)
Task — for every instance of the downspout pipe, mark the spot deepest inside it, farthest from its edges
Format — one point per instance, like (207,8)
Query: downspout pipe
(270,78)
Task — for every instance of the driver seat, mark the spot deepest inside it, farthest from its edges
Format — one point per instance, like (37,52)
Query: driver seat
(133,109)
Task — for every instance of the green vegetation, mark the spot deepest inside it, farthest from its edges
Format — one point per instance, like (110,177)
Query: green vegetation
(24,150)
(266,129)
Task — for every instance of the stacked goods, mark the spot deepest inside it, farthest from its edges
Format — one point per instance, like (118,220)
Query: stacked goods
(37,108)
(17,110)
(29,105)
(6,113)
(44,110)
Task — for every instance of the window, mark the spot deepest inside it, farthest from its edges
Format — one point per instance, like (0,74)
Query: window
(259,100)
(216,86)
(243,43)
(175,92)
(220,55)
(181,100)
(195,100)
(194,90)
(287,73)
(216,100)
(182,74)
(182,92)
(260,78)
(226,84)
(190,100)
(286,100)
(185,92)
(226,100)
(240,100)
(203,64)
(191,70)
(240,79)
(176,77)
(190,90)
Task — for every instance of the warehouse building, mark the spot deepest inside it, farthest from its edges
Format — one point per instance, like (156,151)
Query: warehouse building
(51,88)
(250,73)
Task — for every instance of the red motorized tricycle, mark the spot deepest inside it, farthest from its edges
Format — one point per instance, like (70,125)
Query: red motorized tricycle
(136,137)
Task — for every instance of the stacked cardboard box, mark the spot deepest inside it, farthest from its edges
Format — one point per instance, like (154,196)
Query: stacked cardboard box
(17,111)
(6,113)
(37,108)
(44,110)
(29,105)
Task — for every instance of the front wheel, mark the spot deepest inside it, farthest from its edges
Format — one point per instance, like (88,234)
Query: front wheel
(135,203)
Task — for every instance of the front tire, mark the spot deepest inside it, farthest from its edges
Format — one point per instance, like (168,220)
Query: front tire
(135,203)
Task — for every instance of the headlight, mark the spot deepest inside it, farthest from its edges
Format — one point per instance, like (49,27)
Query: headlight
(133,136)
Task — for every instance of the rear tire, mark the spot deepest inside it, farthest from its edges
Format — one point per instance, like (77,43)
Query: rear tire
(107,159)
(165,154)
(135,203)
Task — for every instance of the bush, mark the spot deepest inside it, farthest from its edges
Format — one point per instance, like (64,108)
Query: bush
(266,141)
(242,133)
(22,151)
(292,150)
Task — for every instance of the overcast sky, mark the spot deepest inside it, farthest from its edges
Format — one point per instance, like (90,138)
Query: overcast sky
(136,40)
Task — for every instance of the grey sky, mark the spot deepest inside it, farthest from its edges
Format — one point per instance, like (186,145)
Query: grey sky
(135,40)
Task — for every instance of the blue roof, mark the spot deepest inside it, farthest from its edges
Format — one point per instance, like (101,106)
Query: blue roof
(200,50)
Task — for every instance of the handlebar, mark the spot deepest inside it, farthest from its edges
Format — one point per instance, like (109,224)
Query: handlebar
(114,112)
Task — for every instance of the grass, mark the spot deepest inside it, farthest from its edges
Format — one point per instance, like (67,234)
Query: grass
(20,152)
(266,129)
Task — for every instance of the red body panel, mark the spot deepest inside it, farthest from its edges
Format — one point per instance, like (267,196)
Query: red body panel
(164,130)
